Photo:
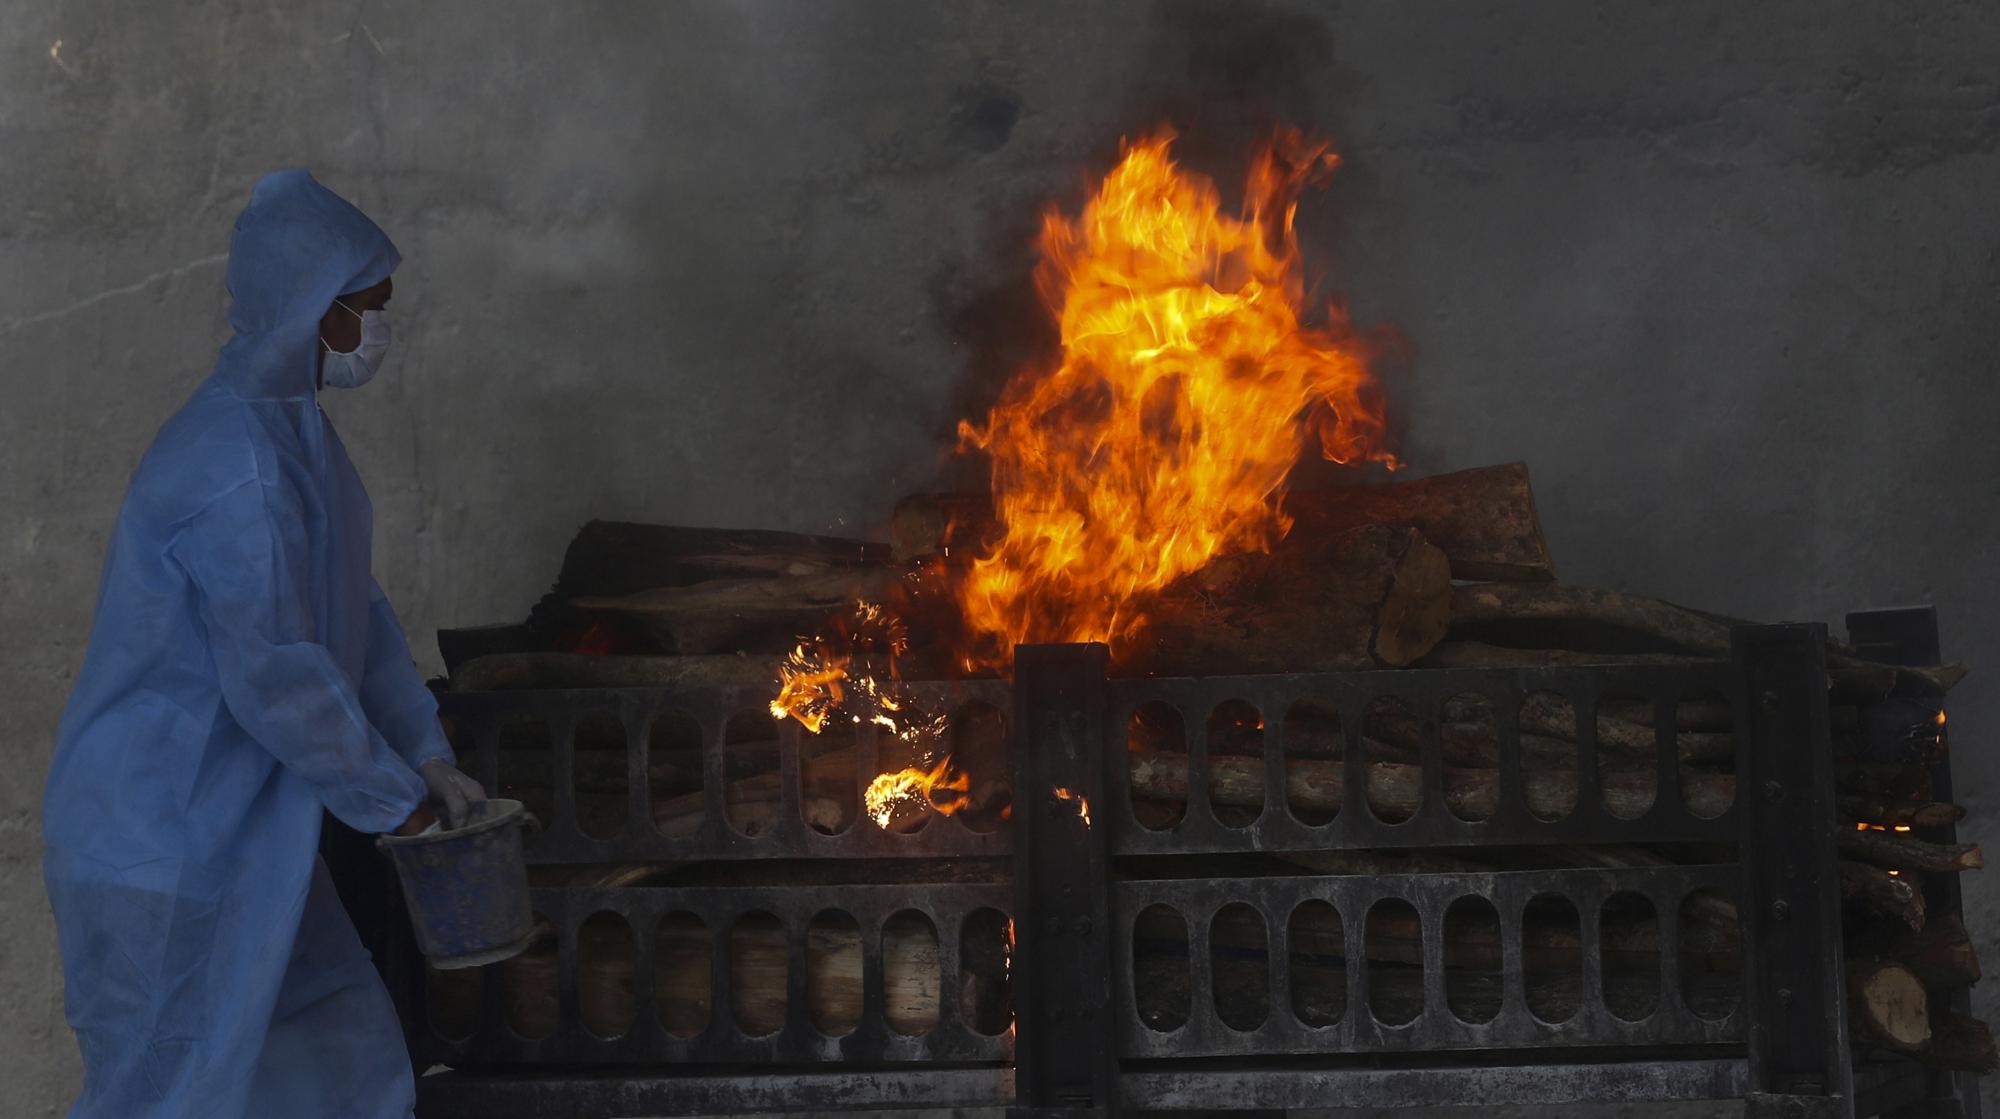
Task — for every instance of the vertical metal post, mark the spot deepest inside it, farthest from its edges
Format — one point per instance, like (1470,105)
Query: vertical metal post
(1793,969)
(1909,635)
(1065,1059)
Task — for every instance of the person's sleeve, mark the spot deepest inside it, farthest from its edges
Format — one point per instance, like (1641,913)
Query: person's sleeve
(247,556)
(393,692)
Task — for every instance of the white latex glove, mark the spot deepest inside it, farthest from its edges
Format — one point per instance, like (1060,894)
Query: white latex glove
(452,789)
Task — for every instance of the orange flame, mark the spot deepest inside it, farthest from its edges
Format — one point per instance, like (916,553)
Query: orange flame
(815,682)
(1187,390)
(1082,803)
(916,788)
(811,686)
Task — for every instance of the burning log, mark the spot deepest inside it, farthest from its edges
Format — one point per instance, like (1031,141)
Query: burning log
(1371,596)
(1887,1005)
(1897,851)
(1483,520)
(1890,895)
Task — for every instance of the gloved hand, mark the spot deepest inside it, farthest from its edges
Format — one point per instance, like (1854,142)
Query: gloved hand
(452,789)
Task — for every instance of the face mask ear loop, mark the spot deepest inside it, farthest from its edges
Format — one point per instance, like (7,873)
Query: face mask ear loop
(343,306)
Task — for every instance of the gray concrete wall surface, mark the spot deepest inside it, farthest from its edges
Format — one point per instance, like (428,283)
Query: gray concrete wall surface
(1727,275)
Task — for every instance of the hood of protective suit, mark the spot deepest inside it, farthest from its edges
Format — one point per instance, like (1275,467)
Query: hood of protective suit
(296,247)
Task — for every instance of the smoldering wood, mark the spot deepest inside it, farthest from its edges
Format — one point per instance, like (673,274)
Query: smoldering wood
(1893,896)
(1904,852)
(1864,808)
(1360,599)
(1483,520)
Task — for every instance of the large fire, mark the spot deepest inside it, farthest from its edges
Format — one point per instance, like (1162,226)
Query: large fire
(1187,389)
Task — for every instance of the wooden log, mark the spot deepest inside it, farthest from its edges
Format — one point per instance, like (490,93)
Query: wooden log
(617,557)
(760,615)
(757,968)
(1873,888)
(1560,608)
(1460,653)
(1484,520)
(1894,782)
(1891,812)
(1549,732)
(1960,1043)
(1941,955)
(523,671)
(1690,714)
(1900,851)
(1584,616)
(1395,791)
(1396,994)
(1887,1005)
(1554,715)
(1396,937)
(1361,599)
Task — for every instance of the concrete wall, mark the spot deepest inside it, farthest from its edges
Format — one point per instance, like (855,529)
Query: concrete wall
(1725,274)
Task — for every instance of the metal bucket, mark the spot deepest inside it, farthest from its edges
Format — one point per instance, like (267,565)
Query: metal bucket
(467,887)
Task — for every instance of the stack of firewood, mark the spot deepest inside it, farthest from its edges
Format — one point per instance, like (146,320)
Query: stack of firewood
(1449,571)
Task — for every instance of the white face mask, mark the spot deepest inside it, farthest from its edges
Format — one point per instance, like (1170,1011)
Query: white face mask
(356,368)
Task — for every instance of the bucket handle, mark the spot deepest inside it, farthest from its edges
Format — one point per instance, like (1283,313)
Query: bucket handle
(529,823)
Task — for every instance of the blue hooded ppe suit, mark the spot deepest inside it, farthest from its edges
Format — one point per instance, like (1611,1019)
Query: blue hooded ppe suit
(244,672)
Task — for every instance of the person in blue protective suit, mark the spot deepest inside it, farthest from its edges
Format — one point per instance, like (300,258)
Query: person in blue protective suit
(244,672)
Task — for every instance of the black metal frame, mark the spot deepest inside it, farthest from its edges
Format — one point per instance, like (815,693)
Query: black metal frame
(1078,1045)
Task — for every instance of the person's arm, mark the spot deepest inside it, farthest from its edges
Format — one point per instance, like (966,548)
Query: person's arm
(393,692)
(247,555)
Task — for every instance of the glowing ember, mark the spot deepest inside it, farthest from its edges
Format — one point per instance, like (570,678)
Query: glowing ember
(916,788)
(1082,803)
(1187,389)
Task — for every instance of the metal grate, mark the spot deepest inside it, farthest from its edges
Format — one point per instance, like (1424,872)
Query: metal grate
(1078,892)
